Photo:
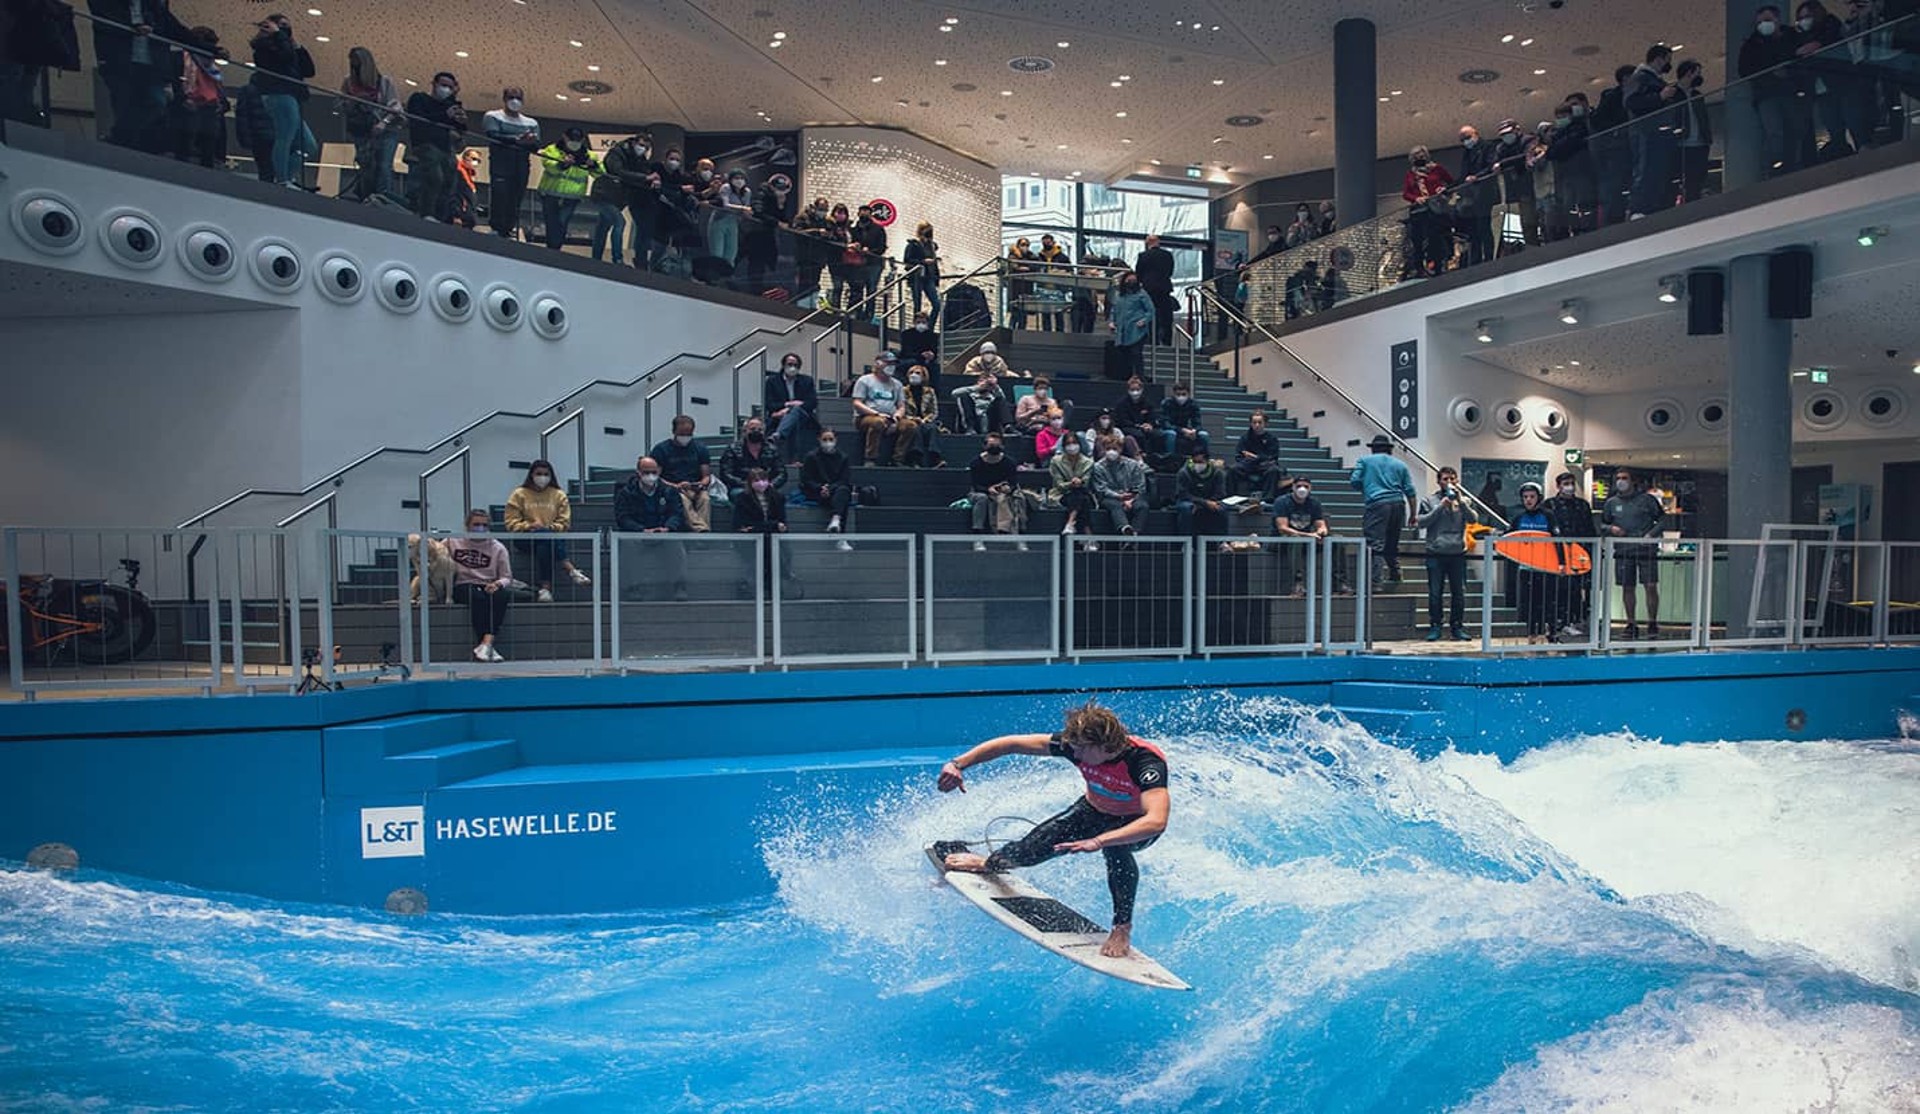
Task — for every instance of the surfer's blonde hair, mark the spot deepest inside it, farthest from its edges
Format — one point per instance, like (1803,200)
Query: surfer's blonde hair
(1094,725)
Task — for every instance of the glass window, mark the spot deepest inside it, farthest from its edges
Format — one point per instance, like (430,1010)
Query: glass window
(1125,217)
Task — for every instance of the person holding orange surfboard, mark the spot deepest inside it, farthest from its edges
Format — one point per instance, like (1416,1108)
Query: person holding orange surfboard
(1535,586)
(1445,516)
(1572,518)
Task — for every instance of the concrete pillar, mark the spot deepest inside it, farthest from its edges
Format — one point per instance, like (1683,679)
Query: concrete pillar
(1740,140)
(1760,418)
(1356,120)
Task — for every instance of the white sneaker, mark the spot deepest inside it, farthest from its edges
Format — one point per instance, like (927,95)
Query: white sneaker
(493,654)
(979,547)
(480,653)
(843,546)
(543,596)
(833,526)
(1022,547)
(1093,547)
(580,578)
(1066,531)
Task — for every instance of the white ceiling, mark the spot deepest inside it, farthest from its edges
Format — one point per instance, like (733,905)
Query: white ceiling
(708,65)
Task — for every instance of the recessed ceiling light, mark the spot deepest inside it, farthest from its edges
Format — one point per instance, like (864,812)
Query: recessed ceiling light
(1219,81)
(1395,92)
(1155,162)
(774,45)
(1539,73)
(1219,139)
(315,11)
(1506,38)
(1006,92)
(586,100)
(560,96)
(1126,141)
(1569,312)
(903,104)
(1384,100)
(939,61)
(875,79)
(1115,84)
(1119,115)
(575,43)
(1196,27)
(1483,331)
(459,54)
(1215,27)
(1526,42)
(1266,156)
(1679,46)
(1059,146)
(1063,45)
(1870,235)
(321,39)
(952,19)
(591,68)
(944,27)
(1126,77)
(1575,363)
(779,34)
(411,82)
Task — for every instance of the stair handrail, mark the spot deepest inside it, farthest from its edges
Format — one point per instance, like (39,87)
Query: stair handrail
(327,501)
(759,354)
(580,434)
(678,386)
(1247,322)
(465,457)
(560,403)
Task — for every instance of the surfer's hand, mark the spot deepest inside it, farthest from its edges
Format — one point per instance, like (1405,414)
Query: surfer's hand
(951,779)
(1080,846)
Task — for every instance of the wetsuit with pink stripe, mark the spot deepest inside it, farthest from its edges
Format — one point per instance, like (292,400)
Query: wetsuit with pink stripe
(1112,800)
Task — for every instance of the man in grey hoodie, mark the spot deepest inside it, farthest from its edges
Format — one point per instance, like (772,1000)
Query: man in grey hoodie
(1445,516)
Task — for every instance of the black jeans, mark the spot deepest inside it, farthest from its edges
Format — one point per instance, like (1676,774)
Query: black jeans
(1382,522)
(509,187)
(1080,821)
(488,610)
(1446,571)
(1165,308)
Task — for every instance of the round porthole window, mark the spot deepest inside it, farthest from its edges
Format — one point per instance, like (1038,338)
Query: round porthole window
(132,238)
(47,221)
(208,253)
(341,278)
(276,266)
(1662,417)
(1509,421)
(1883,407)
(452,299)
(1823,411)
(1466,416)
(1712,415)
(398,288)
(549,316)
(1550,422)
(502,305)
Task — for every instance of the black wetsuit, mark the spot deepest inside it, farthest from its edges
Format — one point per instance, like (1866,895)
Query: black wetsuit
(1118,785)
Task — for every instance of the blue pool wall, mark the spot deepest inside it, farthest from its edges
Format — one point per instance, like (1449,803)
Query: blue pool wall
(264,795)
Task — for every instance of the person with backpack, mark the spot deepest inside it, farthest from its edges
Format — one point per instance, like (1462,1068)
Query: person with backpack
(200,105)
(372,112)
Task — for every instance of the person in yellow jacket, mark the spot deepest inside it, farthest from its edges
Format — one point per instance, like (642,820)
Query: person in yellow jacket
(540,506)
(566,172)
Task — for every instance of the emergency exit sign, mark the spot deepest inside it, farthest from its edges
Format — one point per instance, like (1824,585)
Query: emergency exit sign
(1817,374)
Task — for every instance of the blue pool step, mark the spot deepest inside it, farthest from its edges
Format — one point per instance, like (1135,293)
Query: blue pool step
(409,754)
(666,769)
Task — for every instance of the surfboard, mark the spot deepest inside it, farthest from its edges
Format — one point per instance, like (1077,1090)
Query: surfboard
(1537,550)
(1050,923)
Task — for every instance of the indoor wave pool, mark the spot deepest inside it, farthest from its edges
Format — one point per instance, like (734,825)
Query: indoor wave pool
(1606,923)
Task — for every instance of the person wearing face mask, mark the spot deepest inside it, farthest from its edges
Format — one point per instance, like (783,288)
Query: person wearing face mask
(540,506)
(481,574)
(647,504)
(1612,155)
(773,214)
(791,402)
(511,134)
(1695,136)
(1516,187)
(999,504)
(373,120)
(566,170)
(1831,79)
(607,200)
(813,248)
(981,407)
(876,406)
(866,257)
(435,117)
(1021,260)
(761,509)
(1105,424)
(1774,87)
(921,345)
(1653,136)
(1297,514)
(1047,440)
(1131,319)
(687,465)
(1429,233)
(922,252)
(1445,516)
(677,220)
(753,450)
(847,261)
(630,163)
(1120,486)
(733,202)
(1534,589)
(1181,428)
(1572,518)
(1139,416)
(1479,189)
(920,404)
(1301,231)
(1071,473)
(1198,491)
(1325,221)
(1633,517)
(1573,165)
(1256,460)
(1037,408)
(281,67)
(826,480)
(1276,243)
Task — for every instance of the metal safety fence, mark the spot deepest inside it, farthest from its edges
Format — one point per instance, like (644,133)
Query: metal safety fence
(305,608)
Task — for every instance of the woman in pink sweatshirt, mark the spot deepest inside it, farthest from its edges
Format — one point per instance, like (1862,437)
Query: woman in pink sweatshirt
(481,575)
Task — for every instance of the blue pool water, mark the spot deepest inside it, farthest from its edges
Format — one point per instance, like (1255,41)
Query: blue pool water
(1606,924)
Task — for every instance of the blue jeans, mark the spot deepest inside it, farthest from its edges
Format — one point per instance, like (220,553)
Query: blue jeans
(794,420)
(1168,438)
(557,211)
(289,131)
(928,286)
(609,223)
(723,237)
(1195,519)
(374,155)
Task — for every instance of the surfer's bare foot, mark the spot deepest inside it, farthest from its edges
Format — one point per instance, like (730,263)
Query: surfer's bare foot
(967,861)
(1119,942)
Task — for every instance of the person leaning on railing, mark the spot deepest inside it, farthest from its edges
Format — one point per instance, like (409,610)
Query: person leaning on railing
(511,136)
(435,117)
(372,112)
(922,258)
(1429,233)
(136,67)
(630,163)
(773,212)
(281,68)
(567,169)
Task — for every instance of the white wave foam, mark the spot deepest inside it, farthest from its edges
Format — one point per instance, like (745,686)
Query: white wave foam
(1716,1045)
(1804,845)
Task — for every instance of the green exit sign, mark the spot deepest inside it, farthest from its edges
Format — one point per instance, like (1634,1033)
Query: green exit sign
(1817,374)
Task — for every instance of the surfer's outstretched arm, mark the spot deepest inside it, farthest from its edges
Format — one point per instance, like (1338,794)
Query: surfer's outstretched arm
(950,774)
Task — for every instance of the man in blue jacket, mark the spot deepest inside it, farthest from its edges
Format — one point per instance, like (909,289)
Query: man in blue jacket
(1387,486)
(645,504)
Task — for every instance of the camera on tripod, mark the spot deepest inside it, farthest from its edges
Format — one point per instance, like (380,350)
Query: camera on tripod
(310,657)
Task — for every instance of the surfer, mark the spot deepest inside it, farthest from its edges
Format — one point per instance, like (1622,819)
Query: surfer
(1123,811)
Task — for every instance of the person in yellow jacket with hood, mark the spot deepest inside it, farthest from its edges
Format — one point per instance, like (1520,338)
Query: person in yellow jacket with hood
(566,172)
(540,506)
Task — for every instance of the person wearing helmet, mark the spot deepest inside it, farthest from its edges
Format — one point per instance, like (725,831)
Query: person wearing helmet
(774,207)
(1534,588)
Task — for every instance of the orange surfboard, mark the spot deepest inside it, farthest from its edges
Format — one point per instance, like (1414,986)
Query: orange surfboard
(1536,549)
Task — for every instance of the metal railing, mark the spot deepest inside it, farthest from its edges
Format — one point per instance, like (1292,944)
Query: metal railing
(299,609)
(464,457)
(678,387)
(578,419)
